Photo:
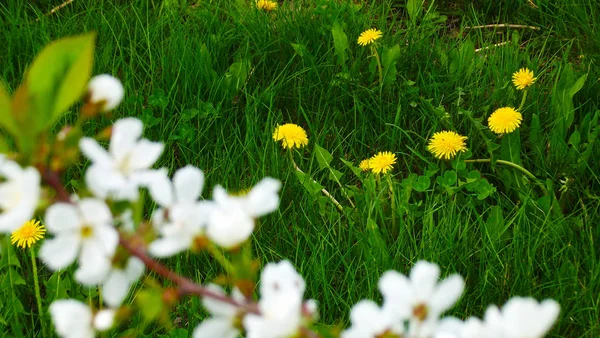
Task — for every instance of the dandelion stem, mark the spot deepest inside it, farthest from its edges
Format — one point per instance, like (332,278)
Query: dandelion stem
(323,190)
(392,200)
(523,100)
(376,55)
(514,166)
(38,297)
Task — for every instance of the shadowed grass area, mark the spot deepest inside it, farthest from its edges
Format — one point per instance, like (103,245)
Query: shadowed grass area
(213,78)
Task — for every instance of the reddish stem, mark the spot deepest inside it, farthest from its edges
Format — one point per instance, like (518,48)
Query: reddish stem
(52,179)
(186,286)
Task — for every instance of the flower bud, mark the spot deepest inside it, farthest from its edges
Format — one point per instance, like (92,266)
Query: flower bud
(105,90)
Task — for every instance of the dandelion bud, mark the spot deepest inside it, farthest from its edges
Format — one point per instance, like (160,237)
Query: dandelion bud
(106,91)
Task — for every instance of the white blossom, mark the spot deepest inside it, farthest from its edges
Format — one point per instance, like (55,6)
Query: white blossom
(420,299)
(222,322)
(74,319)
(522,318)
(232,217)
(371,321)
(19,194)
(119,172)
(182,218)
(106,89)
(82,231)
(116,286)
(280,303)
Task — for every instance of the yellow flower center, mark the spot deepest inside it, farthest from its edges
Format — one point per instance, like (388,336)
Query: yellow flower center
(87,231)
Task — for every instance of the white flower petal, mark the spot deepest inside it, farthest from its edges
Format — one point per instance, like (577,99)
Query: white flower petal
(94,266)
(263,198)
(59,252)
(106,88)
(92,150)
(125,134)
(115,288)
(216,307)
(229,228)
(160,187)
(108,237)
(145,153)
(169,246)
(104,319)
(397,294)
(62,217)
(135,269)
(103,181)
(71,318)
(424,277)
(215,327)
(188,182)
(447,293)
(95,211)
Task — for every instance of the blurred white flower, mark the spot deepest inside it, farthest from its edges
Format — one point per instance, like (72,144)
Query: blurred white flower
(118,173)
(107,90)
(224,318)
(280,304)
(74,319)
(116,286)
(181,218)
(231,220)
(371,321)
(19,194)
(81,231)
(522,318)
(420,299)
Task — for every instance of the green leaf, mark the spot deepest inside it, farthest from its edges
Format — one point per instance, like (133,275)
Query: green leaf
(323,157)
(449,178)
(340,43)
(355,170)
(495,225)
(300,49)
(389,58)
(150,303)
(335,175)
(414,8)
(422,183)
(534,131)
(58,77)
(577,85)
(575,138)
(308,183)
(6,118)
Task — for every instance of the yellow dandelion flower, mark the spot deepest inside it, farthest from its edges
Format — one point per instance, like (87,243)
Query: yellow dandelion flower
(382,162)
(291,136)
(369,36)
(266,5)
(29,233)
(523,78)
(504,120)
(445,144)
(364,164)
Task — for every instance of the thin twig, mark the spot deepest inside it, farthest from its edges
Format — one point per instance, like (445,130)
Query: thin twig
(186,286)
(57,8)
(504,25)
(488,47)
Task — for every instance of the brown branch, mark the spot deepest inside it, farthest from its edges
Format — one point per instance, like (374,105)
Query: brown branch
(186,286)
(52,179)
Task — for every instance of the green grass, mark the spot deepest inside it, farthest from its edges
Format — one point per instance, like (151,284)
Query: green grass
(176,65)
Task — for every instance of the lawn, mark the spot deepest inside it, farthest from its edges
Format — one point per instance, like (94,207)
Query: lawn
(517,214)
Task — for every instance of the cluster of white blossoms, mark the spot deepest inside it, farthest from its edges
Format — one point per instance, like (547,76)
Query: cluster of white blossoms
(86,230)
(413,305)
